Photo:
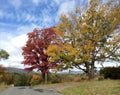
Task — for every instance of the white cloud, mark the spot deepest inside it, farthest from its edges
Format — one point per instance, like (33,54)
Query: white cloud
(15,3)
(65,8)
(58,2)
(29,17)
(46,18)
(13,45)
(1,13)
(36,2)
(13,50)
(19,41)
(4,14)
(26,29)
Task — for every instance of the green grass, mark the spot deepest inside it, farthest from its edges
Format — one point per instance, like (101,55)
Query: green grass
(106,87)
(3,86)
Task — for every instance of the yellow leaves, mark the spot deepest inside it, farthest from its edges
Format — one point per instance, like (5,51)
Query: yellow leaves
(66,52)
(59,31)
(71,51)
(86,56)
(52,50)
(89,46)
(78,61)
(68,47)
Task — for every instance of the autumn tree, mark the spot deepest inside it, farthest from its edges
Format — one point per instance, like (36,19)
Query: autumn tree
(35,48)
(90,36)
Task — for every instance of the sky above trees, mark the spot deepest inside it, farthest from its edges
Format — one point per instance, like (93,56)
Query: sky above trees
(19,17)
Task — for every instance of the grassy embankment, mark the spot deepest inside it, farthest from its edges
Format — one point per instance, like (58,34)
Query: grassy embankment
(105,87)
(3,86)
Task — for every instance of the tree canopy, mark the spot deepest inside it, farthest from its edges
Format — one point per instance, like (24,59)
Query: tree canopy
(80,40)
(3,54)
(34,50)
(88,37)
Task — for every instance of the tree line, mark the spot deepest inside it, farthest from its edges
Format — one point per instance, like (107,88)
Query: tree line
(82,38)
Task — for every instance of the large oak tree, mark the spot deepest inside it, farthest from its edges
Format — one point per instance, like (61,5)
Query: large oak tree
(90,36)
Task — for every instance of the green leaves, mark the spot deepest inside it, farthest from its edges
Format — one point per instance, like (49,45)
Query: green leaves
(3,54)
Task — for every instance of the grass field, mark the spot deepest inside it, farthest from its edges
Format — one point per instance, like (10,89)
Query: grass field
(3,86)
(106,87)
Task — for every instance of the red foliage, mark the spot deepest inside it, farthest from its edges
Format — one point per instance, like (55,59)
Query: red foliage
(34,50)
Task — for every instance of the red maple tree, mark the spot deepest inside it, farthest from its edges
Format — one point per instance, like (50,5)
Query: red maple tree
(34,50)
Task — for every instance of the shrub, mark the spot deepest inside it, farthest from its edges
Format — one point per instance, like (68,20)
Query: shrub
(111,72)
(55,79)
(1,78)
(2,73)
(36,79)
(9,78)
(20,80)
(84,77)
(77,78)
(29,77)
(67,77)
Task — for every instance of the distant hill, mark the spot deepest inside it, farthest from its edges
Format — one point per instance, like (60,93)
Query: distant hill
(17,70)
(22,71)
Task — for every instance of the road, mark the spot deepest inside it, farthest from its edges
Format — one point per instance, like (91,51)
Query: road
(29,91)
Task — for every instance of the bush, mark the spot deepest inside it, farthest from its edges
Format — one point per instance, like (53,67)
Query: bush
(21,80)
(77,78)
(111,72)
(36,79)
(55,79)
(29,77)
(67,78)
(84,77)
(1,78)
(9,78)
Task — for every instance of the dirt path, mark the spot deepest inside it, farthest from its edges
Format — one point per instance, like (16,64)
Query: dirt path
(29,91)
(48,89)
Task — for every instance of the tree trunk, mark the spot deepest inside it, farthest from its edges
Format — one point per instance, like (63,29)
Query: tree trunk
(91,71)
(45,77)
(88,70)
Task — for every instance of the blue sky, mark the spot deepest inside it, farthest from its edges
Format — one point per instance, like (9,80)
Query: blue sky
(18,17)
(41,13)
